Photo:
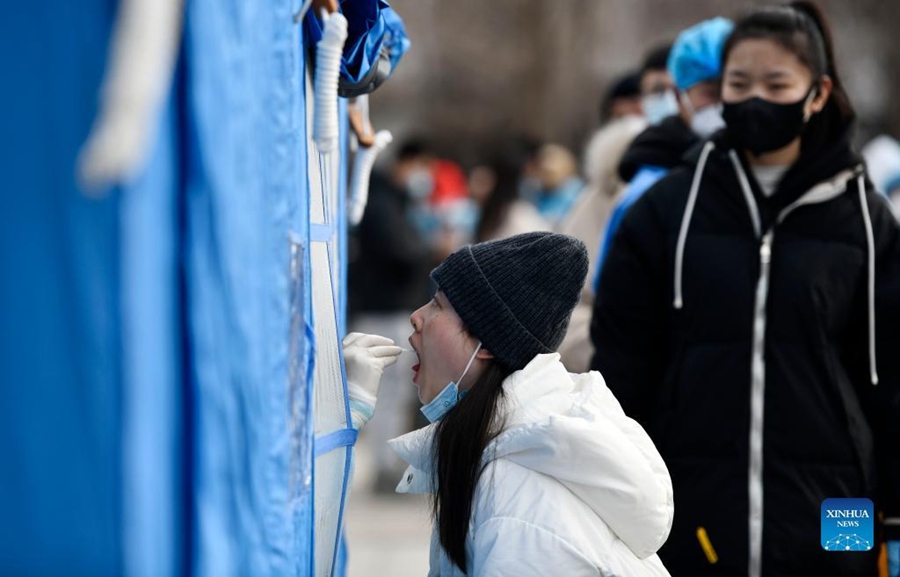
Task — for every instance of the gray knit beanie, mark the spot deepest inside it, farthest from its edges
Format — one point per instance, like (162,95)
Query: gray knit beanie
(517,294)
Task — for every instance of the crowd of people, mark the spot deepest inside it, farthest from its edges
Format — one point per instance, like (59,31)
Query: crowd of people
(664,361)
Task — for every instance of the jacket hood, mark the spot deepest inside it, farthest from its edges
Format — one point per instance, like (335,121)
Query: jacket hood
(823,163)
(661,145)
(571,428)
(819,175)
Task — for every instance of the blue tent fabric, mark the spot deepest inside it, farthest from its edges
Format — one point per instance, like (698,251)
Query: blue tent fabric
(60,393)
(244,183)
(158,346)
(152,430)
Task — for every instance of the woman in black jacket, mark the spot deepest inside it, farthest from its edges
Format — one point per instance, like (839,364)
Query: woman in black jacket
(748,315)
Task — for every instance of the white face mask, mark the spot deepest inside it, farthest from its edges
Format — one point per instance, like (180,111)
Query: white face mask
(448,397)
(659,105)
(707,120)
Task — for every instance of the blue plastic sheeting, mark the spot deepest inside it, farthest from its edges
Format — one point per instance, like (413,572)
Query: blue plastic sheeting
(371,26)
(60,395)
(302,344)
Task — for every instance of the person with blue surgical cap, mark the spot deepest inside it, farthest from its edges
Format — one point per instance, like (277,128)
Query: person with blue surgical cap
(694,65)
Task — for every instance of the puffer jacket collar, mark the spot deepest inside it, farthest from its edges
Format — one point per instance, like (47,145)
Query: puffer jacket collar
(560,425)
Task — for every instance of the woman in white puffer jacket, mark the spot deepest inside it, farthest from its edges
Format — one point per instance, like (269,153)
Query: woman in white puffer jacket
(533,470)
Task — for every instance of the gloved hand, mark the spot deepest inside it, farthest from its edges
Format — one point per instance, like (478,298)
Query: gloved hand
(365,358)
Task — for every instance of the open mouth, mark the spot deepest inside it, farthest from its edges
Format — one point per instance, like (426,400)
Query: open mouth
(416,366)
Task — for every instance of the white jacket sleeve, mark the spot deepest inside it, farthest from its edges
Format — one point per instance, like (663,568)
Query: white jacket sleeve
(507,547)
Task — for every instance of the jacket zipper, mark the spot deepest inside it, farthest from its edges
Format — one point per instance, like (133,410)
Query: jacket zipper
(758,360)
(757,404)
(757,375)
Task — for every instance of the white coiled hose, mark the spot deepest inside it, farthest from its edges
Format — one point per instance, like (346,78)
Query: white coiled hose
(329,50)
(362,170)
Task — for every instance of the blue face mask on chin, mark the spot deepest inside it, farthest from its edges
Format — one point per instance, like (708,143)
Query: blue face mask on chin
(448,397)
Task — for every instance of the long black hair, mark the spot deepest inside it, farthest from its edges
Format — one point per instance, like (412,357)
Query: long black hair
(459,442)
(801,28)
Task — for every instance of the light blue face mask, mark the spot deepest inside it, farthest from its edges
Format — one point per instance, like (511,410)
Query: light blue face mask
(659,105)
(447,399)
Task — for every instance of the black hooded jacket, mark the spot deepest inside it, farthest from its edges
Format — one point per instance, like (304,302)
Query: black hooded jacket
(737,329)
(662,145)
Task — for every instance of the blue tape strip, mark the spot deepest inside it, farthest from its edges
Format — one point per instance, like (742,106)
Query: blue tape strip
(347,470)
(335,440)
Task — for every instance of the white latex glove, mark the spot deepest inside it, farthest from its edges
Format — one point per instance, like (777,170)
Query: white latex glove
(365,358)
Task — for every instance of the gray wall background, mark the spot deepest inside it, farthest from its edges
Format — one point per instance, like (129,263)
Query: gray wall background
(479,71)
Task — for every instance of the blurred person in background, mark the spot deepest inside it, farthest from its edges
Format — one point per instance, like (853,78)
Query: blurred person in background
(495,188)
(658,99)
(882,155)
(532,470)
(388,259)
(442,209)
(530,184)
(557,170)
(623,98)
(694,65)
(455,210)
(591,211)
(749,316)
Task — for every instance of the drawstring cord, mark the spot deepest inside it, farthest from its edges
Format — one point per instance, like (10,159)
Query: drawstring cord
(870,244)
(686,222)
(747,192)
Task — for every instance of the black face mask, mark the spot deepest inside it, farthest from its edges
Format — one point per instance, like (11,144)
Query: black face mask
(760,126)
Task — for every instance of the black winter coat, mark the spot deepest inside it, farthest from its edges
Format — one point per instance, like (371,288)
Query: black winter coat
(661,145)
(736,328)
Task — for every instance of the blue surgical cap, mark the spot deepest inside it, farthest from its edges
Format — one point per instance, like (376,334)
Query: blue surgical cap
(697,53)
